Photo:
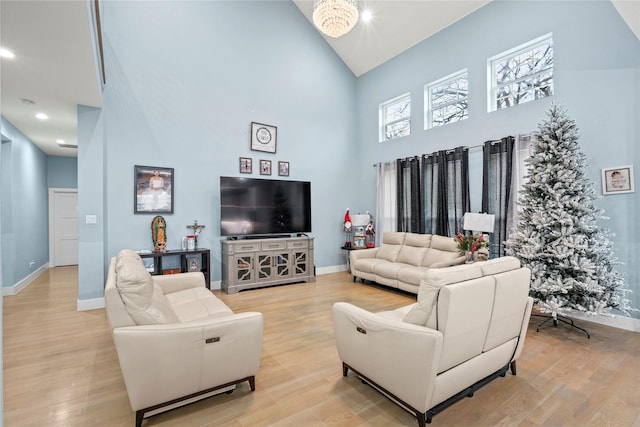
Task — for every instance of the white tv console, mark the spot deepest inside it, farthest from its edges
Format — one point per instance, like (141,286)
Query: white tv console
(256,263)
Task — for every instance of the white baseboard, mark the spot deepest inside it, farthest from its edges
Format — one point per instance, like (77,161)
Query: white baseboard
(215,285)
(331,269)
(621,322)
(13,290)
(89,304)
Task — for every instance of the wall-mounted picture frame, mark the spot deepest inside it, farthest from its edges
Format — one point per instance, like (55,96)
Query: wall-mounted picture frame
(246,165)
(263,137)
(283,168)
(617,180)
(265,167)
(152,190)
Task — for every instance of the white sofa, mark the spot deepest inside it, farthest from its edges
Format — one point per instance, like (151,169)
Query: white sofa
(467,328)
(176,340)
(403,258)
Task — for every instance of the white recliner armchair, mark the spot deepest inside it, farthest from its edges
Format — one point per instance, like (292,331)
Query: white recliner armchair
(176,341)
(467,328)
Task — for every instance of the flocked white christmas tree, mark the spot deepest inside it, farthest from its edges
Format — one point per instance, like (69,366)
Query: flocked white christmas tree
(571,258)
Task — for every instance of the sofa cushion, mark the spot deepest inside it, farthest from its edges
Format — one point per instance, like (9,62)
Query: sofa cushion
(414,248)
(367,265)
(499,265)
(420,313)
(145,303)
(389,270)
(412,275)
(442,250)
(391,244)
(197,303)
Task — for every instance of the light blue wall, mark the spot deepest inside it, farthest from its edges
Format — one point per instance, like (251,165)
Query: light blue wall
(25,227)
(62,172)
(597,69)
(184,82)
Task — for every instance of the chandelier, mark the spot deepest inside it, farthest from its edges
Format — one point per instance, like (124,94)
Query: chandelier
(335,18)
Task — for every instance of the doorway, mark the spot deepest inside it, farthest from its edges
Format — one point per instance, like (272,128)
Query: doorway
(63,227)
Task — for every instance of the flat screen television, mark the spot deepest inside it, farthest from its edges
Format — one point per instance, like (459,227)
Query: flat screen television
(251,206)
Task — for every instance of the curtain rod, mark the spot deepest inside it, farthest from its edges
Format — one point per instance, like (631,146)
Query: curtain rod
(493,142)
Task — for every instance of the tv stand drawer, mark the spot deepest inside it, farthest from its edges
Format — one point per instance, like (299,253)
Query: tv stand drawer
(271,245)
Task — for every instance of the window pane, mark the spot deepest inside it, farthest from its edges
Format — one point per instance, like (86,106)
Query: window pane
(398,129)
(450,113)
(524,75)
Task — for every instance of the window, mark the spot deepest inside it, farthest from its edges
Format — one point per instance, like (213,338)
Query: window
(395,118)
(522,74)
(446,100)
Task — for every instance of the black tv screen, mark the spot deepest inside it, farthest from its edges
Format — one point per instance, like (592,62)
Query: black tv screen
(250,206)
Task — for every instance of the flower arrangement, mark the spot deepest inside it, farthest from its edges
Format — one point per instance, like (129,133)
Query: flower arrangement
(471,242)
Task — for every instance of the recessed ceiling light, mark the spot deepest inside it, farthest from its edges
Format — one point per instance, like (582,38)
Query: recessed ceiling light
(41,116)
(366,15)
(6,53)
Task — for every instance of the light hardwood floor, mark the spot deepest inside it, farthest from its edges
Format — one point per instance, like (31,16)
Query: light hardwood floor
(61,368)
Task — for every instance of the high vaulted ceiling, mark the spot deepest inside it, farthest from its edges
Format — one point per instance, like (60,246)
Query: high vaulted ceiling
(55,67)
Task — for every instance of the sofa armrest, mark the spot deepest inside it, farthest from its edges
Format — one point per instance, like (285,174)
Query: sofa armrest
(164,362)
(452,262)
(362,253)
(170,283)
(400,357)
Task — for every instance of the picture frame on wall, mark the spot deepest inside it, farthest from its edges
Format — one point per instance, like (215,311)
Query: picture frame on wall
(153,190)
(283,168)
(246,165)
(265,167)
(617,180)
(264,137)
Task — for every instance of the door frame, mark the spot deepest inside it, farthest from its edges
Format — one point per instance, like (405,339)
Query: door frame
(52,192)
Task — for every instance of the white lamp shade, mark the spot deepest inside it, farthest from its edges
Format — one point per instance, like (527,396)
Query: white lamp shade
(360,220)
(479,222)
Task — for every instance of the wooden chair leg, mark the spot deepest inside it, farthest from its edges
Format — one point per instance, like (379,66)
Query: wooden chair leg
(513,367)
(252,383)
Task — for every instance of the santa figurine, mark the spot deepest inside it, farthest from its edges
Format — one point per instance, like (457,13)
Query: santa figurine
(347,227)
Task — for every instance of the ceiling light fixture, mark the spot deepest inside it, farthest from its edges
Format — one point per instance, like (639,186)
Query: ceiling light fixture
(335,18)
(41,116)
(6,53)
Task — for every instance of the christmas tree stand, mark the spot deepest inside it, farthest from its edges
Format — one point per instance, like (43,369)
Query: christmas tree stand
(558,318)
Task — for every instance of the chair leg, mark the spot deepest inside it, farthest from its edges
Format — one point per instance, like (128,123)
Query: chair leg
(345,369)
(139,418)
(252,383)
(422,419)
(513,367)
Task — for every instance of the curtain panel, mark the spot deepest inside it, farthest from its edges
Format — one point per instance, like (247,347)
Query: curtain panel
(410,204)
(446,190)
(497,195)
(386,205)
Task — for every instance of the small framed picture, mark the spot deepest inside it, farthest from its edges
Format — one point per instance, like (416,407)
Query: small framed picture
(193,263)
(617,180)
(263,137)
(246,165)
(153,190)
(265,167)
(283,168)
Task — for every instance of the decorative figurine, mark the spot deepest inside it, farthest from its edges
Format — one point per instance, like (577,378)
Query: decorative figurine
(159,234)
(197,228)
(347,227)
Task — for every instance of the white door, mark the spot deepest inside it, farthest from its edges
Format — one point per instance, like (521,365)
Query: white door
(63,227)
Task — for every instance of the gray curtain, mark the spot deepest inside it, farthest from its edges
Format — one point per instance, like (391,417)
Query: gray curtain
(446,190)
(496,188)
(410,204)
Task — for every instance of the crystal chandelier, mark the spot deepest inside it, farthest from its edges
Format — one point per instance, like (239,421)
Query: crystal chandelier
(335,18)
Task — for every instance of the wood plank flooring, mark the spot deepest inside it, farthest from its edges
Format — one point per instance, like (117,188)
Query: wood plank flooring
(61,368)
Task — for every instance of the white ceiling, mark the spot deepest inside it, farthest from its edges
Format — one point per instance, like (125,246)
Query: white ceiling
(55,67)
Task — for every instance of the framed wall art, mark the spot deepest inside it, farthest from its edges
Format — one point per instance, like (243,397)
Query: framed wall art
(265,167)
(246,165)
(153,189)
(617,180)
(283,168)
(263,137)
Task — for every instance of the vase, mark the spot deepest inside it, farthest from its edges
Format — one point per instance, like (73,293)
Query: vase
(469,256)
